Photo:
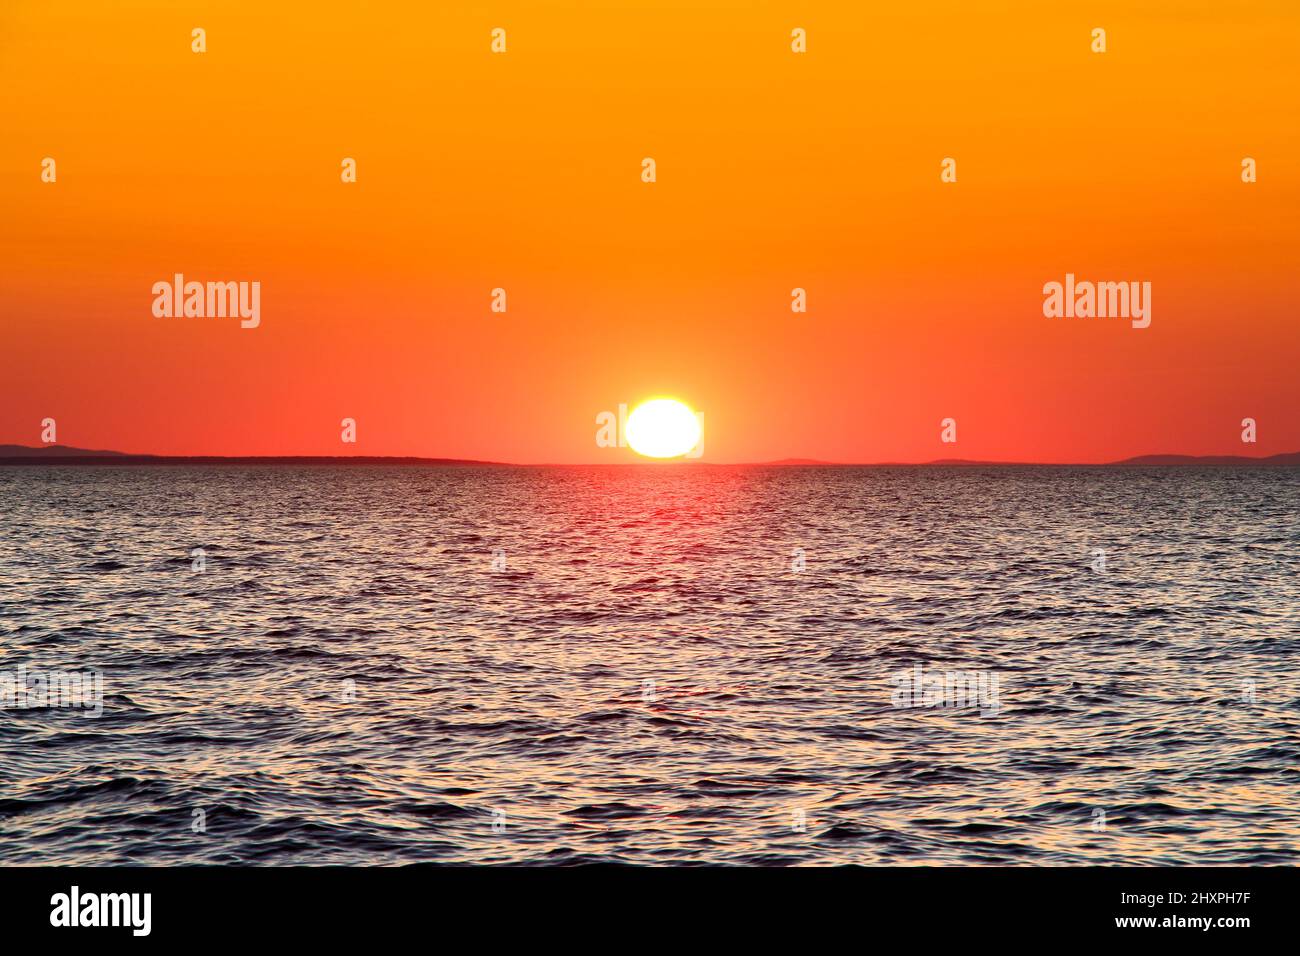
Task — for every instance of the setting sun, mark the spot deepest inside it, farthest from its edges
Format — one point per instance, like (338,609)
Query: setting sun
(662,428)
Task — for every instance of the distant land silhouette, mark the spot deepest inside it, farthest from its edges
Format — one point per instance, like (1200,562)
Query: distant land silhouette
(67,455)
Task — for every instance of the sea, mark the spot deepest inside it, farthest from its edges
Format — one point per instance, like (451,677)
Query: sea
(269,665)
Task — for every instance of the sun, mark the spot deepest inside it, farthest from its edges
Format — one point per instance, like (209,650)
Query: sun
(662,428)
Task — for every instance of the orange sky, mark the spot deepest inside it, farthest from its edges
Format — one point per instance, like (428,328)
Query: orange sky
(775,170)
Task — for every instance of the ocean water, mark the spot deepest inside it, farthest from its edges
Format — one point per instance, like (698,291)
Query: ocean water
(653,665)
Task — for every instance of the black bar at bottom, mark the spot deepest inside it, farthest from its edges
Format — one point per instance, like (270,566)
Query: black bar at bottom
(612,906)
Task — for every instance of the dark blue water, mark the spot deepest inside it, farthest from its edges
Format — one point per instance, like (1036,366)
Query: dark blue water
(653,665)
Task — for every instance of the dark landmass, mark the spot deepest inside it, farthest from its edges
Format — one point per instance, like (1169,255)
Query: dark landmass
(54,451)
(969,462)
(1288,458)
(66,455)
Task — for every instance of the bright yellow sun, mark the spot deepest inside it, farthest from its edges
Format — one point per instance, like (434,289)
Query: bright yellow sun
(662,428)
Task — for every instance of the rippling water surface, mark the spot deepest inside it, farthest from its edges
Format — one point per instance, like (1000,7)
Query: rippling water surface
(675,664)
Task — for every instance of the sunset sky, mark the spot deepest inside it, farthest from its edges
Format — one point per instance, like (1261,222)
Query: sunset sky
(775,170)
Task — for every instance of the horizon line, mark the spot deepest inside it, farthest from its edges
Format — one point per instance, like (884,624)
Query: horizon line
(71,455)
